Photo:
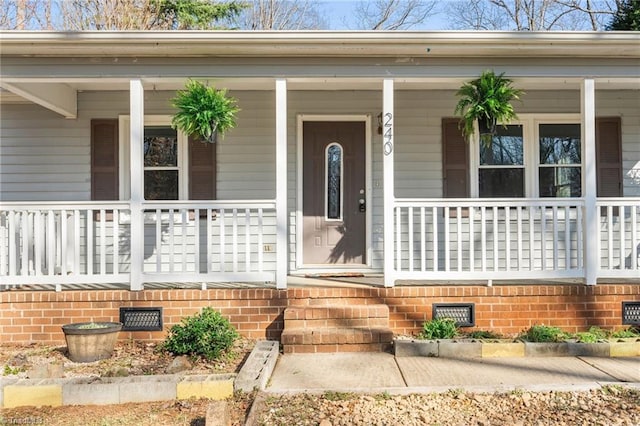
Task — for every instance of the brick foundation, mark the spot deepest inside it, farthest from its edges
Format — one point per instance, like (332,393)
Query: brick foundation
(36,316)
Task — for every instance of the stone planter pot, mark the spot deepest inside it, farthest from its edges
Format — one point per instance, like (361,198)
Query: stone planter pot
(88,342)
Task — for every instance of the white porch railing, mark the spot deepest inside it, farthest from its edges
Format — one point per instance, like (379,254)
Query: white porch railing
(619,242)
(486,239)
(184,241)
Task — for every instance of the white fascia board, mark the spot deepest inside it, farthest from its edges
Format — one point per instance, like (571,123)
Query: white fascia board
(322,43)
(57,97)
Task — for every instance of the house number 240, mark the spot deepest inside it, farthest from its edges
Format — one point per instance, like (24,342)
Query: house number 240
(388,134)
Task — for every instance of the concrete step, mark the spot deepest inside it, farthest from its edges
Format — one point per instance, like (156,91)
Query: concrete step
(336,328)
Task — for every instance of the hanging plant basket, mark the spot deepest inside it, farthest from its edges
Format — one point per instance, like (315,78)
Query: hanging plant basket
(487,102)
(204,111)
(91,341)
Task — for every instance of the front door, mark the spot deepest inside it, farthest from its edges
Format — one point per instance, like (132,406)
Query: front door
(334,200)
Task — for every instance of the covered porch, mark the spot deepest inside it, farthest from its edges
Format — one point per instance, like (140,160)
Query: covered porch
(253,230)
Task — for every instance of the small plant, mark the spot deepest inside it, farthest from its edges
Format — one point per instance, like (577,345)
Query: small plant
(594,335)
(487,101)
(483,334)
(626,333)
(204,111)
(10,371)
(439,328)
(92,326)
(337,396)
(207,334)
(544,334)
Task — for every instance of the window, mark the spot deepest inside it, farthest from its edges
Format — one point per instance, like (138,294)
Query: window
(161,165)
(538,156)
(559,173)
(501,170)
(333,182)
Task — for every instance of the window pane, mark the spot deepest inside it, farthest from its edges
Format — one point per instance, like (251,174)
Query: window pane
(160,147)
(506,148)
(496,183)
(560,182)
(161,185)
(560,144)
(334,172)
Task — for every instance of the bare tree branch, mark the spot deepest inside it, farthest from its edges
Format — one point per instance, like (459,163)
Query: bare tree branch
(392,14)
(281,15)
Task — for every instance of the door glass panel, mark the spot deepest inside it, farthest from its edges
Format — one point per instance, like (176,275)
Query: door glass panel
(560,182)
(560,144)
(334,182)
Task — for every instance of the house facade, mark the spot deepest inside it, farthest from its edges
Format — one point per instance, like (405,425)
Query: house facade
(346,159)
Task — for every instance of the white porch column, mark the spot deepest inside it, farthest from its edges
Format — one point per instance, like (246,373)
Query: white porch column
(136,135)
(591,231)
(388,176)
(281,184)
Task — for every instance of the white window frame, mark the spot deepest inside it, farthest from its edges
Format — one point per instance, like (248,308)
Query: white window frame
(124,122)
(531,155)
(340,218)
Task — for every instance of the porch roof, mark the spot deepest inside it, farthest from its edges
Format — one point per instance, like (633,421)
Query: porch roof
(322,44)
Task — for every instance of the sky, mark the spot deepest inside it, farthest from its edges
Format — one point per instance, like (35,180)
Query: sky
(338,13)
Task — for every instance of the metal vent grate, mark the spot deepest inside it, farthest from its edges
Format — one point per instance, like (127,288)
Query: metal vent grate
(141,319)
(631,313)
(462,313)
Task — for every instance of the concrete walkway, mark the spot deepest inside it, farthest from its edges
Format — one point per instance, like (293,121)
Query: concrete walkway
(382,372)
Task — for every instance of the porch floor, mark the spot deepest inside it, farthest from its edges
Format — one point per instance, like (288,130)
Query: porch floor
(302,281)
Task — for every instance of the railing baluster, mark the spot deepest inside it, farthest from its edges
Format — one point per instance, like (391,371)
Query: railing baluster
(51,243)
(63,242)
(434,219)
(158,216)
(76,242)
(496,235)
(580,227)
(531,210)
(519,240)
(554,211)
(423,241)
(483,238)
(196,241)
(623,236)
(634,238)
(24,264)
(398,240)
(222,241)
(543,237)
(472,237)
(103,242)
(172,236)
(115,235)
(260,241)
(38,249)
(567,238)
(209,240)
(184,230)
(447,256)
(610,236)
(90,241)
(234,238)
(247,240)
(507,235)
(459,236)
(410,231)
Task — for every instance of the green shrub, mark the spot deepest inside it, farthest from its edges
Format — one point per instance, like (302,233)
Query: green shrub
(544,334)
(439,328)
(483,334)
(594,335)
(629,332)
(206,334)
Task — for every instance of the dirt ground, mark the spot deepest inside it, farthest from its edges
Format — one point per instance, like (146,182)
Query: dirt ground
(130,358)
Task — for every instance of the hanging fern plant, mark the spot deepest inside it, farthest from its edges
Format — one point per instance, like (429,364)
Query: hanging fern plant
(486,100)
(204,111)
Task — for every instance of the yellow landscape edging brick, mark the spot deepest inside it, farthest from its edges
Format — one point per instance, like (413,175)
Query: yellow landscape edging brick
(502,350)
(37,395)
(622,349)
(213,388)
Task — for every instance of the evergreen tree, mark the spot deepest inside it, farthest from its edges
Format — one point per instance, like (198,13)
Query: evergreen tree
(627,18)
